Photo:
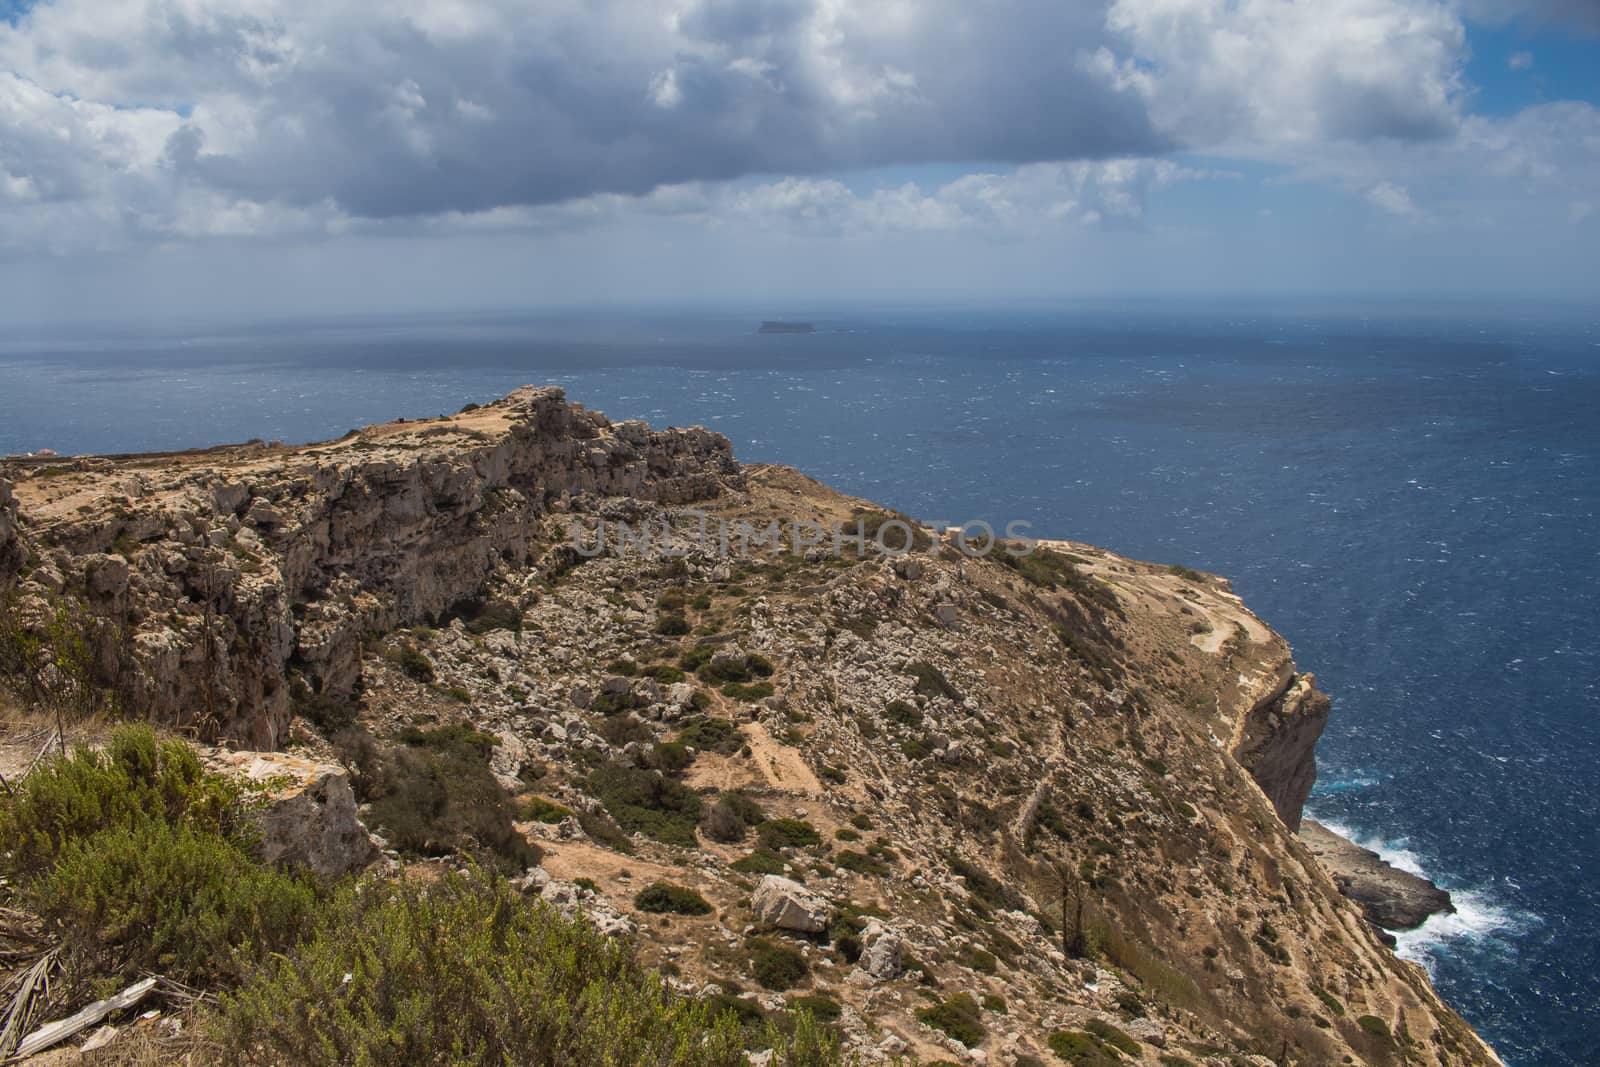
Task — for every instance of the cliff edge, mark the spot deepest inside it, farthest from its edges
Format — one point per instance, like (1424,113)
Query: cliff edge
(968,803)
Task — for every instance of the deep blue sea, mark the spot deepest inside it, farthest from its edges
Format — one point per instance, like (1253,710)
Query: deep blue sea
(1408,493)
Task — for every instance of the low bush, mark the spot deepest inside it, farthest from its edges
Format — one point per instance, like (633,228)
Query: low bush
(788,833)
(186,903)
(645,802)
(413,664)
(903,713)
(761,861)
(730,818)
(777,966)
(1117,1039)
(664,898)
(538,809)
(721,736)
(464,971)
(859,862)
(958,1017)
(434,795)
(134,780)
(1082,1049)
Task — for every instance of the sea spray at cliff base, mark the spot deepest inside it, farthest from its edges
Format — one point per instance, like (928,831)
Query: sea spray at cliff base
(1480,925)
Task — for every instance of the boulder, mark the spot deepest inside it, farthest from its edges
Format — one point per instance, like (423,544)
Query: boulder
(881,956)
(788,905)
(307,817)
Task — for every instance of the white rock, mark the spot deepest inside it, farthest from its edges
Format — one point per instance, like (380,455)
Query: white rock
(788,905)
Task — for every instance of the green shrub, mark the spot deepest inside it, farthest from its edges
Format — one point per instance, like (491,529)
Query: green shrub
(496,615)
(538,809)
(1329,1001)
(903,712)
(958,1016)
(730,818)
(1117,1039)
(463,971)
(749,694)
(986,887)
(788,833)
(761,861)
(712,735)
(669,757)
(777,966)
(823,1009)
(413,664)
(645,802)
(1373,1025)
(434,795)
(190,904)
(136,779)
(859,862)
(661,898)
(1083,1049)
(672,626)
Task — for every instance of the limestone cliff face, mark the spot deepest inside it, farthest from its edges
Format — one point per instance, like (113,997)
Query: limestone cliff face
(225,571)
(1278,742)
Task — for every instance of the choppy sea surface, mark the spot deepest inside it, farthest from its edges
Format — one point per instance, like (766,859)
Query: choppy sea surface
(1408,493)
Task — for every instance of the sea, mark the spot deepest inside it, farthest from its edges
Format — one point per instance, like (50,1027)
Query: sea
(1409,492)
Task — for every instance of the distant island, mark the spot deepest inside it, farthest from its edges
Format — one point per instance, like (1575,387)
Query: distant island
(787,327)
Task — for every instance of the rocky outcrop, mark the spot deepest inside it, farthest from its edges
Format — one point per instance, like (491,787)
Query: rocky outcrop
(1279,743)
(223,575)
(305,811)
(10,545)
(788,905)
(1389,897)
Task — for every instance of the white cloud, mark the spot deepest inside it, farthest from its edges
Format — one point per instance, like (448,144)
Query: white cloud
(1258,75)
(1392,198)
(1520,61)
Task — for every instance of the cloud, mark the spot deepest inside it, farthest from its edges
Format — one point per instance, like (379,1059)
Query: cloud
(1520,61)
(180,120)
(1260,75)
(1392,198)
(460,107)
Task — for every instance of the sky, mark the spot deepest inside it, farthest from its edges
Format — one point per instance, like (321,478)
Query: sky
(166,158)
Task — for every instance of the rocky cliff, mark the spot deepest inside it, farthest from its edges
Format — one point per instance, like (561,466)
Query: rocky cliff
(972,805)
(229,572)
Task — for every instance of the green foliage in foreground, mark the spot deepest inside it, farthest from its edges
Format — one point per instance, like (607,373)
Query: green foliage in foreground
(138,861)
(466,969)
(176,901)
(136,780)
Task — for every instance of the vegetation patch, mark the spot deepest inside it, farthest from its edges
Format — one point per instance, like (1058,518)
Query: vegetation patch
(664,898)
(761,861)
(788,833)
(434,795)
(957,1016)
(538,809)
(465,971)
(777,966)
(646,802)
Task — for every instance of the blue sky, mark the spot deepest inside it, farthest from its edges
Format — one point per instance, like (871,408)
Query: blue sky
(171,157)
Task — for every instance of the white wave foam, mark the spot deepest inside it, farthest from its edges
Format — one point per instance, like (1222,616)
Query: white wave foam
(1479,919)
